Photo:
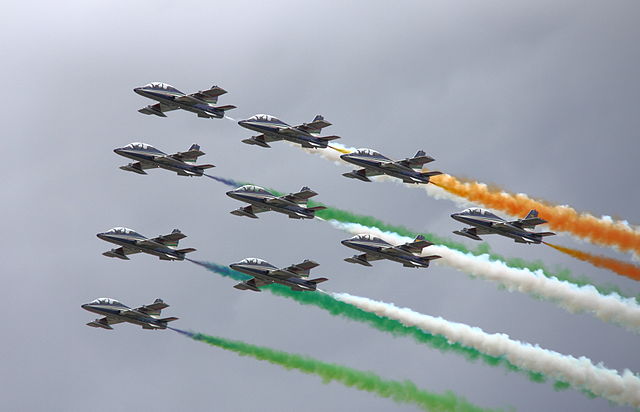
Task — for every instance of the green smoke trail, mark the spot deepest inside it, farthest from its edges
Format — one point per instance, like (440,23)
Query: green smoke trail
(400,392)
(394,327)
(343,216)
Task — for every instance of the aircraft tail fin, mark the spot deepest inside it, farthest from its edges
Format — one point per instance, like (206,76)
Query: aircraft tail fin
(532,213)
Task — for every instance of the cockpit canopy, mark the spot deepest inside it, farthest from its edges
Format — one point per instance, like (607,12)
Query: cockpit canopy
(255,261)
(369,152)
(123,231)
(141,146)
(161,86)
(475,211)
(266,118)
(252,189)
(106,301)
(366,237)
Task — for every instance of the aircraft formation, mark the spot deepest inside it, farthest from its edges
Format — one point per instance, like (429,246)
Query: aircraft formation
(370,163)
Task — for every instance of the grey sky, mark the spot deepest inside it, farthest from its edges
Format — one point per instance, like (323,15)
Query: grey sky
(539,97)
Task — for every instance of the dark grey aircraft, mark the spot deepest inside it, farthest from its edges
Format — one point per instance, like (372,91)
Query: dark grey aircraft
(485,223)
(265,273)
(148,157)
(377,249)
(170,98)
(147,316)
(261,200)
(164,246)
(272,129)
(375,164)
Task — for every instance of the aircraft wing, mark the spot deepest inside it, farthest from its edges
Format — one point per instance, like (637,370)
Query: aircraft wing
(299,269)
(139,167)
(363,259)
(249,211)
(300,197)
(121,252)
(416,246)
(153,309)
(528,222)
(171,239)
(158,109)
(190,155)
(417,161)
(252,284)
(315,126)
(210,95)
(104,323)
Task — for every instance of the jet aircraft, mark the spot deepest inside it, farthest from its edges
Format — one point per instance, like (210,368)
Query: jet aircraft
(164,246)
(261,200)
(375,164)
(201,103)
(264,273)
(148,157)
(377,249)
(147,316)
(272,129)
(485,223)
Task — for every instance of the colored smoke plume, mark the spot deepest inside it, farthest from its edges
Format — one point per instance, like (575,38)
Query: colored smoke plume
(581,373)
(622,268)
(603,232)
(398,391)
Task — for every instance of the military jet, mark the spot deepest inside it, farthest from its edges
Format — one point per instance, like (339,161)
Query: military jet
(265,273)
(170,98)
(147,316)
(375,164)
(272,129)
(377,249)
(485,223)
(261,200)
(164,246)
(148,157)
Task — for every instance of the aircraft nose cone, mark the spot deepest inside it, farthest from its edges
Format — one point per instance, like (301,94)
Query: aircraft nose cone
(86,305)
(344,242)
(118,150)
(100,235)
(230,192)
(233,266)
(137,89)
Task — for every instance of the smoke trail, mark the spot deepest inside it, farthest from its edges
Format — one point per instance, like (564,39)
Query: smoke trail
(603,232)
(398,391)
(611,308)
(579,372)
(622,268)
(449,339)
(337,308)
(482,249)
(228,182)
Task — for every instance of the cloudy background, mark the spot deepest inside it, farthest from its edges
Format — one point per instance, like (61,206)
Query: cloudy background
(538,97)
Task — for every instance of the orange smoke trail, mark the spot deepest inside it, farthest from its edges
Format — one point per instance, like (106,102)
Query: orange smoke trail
(562,218)
(621,268)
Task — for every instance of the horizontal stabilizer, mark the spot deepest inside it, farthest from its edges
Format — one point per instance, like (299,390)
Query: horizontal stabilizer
(429,174)
(530,222)
(225,108)
(316,208)
(207,166)
(545,234)
(186,250)
(328,138)
(317,280)
(431,257)
(169,319)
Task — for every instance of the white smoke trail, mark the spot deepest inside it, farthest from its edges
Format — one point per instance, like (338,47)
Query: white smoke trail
(580,372)
(609,308)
